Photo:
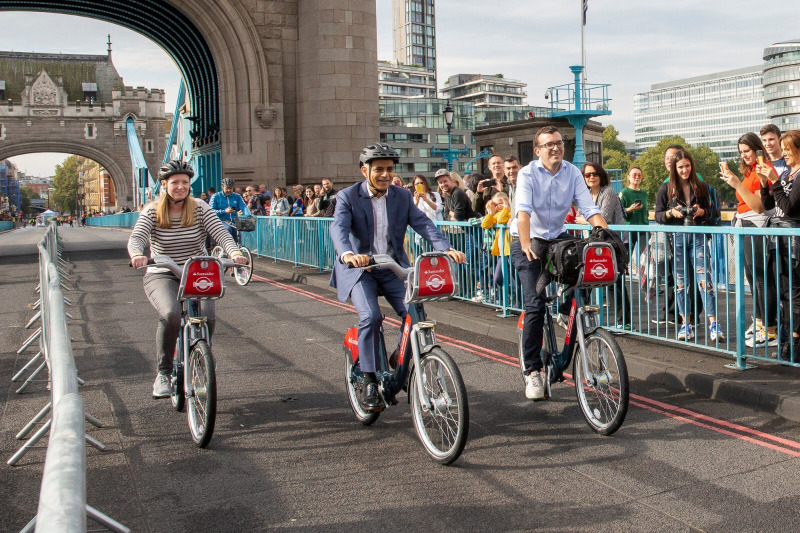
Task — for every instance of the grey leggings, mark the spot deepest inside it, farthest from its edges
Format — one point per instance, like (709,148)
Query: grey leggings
(161,289)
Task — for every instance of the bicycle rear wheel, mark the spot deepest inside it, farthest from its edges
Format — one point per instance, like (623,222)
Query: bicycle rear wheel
(603,391)
(202,393)
(355,388)
(243,274)
(442,428)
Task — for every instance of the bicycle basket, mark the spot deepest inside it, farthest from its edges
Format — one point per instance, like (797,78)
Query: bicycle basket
(202,279)
(599,265)
(246,223)
(432,278)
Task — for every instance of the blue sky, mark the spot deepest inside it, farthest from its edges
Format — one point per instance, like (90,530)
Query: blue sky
(629,44)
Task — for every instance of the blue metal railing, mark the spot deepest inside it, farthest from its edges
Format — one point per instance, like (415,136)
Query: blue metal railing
(120,220)
(6,225)
(650,300)
(141,175)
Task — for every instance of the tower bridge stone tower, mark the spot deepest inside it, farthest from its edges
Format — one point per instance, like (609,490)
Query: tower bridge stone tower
(78,104)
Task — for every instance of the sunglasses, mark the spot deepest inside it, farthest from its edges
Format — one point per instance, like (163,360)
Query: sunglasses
(590,174)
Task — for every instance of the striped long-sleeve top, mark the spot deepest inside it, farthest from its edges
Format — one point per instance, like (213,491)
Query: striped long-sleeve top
(179,243)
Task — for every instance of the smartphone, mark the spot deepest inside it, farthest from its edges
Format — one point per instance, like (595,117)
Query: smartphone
(760,156)
(486,183)
(420,188)
(723,166)
(637,202)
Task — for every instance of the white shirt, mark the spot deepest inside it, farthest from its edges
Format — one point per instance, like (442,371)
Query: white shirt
(380,229)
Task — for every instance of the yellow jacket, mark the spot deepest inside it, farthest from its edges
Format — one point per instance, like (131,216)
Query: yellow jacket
(489,221)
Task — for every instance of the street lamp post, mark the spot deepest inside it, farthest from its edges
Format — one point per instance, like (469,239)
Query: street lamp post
(450,155)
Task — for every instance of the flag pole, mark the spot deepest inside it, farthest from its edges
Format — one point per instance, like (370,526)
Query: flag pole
(584,7)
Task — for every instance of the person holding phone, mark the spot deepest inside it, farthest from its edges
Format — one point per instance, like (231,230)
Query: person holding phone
(634,206)
(487,187)
(426,200)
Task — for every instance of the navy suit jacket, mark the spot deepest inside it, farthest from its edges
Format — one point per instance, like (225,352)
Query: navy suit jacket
(353,227)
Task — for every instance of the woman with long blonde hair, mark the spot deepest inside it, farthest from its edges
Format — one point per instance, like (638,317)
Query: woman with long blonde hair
(175,225)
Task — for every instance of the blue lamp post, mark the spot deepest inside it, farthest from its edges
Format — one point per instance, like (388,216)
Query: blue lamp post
(449,155)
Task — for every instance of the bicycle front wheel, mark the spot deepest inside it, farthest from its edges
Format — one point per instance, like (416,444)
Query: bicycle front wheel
(443,424)
(243,274)
(218,252)
(202,393)
(602,382)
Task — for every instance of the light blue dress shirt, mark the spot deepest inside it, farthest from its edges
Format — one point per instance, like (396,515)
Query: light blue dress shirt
(547,198)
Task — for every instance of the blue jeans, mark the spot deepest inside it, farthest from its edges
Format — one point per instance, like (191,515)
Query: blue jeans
(232,230)
(691,252)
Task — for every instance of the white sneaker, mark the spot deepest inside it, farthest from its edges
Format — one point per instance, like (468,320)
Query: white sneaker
(162,387)
(534,386)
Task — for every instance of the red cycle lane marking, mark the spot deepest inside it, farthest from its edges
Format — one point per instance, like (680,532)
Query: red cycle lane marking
(671,411)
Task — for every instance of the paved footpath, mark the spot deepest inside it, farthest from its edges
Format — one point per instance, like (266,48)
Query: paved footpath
(288,454)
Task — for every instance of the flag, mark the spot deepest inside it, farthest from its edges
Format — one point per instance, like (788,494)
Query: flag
(585,9)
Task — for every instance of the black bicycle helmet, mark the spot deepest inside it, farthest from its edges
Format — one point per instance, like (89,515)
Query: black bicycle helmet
(175,167)
(378,151)
(228,182)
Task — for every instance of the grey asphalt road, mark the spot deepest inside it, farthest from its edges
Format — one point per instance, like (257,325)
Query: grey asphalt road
(288,454)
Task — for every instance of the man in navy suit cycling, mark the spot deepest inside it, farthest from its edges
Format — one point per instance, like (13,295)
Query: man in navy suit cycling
(371,218)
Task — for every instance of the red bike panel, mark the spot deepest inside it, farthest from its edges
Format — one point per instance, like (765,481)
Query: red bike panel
(351,343)
(521,321)
(202,278)
(435,278)
(404,342)
(599,265)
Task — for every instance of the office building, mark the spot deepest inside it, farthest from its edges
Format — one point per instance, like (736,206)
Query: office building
(781,81)
(712,110)
(414,34)
(484,91)
(396,80)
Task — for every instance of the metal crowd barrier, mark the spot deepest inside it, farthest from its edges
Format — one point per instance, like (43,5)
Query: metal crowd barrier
(62,498)
(642,303)
(6,225)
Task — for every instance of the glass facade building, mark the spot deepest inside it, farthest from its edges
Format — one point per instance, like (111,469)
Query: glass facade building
(484,91)
(781,81)
(415,126)
(712,110)
(396,80)
(414,23)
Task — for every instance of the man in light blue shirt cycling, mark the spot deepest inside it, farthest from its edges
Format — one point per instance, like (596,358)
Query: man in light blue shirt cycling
(228,205)
(546,188)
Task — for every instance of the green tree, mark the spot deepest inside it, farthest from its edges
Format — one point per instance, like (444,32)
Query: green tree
(616,159)
(27,195)
(611,141)
(652,164)
(65,184)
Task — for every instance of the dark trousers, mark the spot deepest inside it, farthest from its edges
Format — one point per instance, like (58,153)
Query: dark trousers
(789,271)
(365,299)
(755,254)
(161,289)
(533,328)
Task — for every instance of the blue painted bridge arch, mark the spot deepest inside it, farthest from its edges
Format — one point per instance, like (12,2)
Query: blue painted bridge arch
(168,27)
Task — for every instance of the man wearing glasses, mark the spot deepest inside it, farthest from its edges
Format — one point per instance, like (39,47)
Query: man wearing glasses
(546,188)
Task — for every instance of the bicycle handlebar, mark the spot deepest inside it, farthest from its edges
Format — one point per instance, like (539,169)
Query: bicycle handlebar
(163,261)
(385,261)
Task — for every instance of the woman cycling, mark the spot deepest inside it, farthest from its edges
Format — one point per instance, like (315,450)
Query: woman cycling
(684,195)
(175,225)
